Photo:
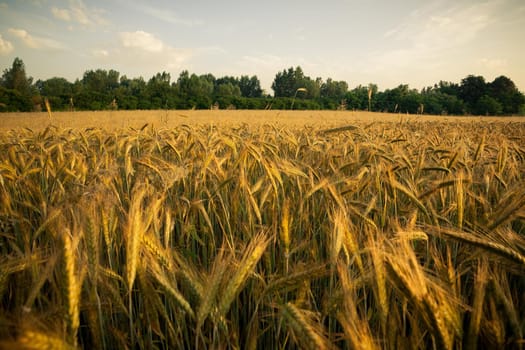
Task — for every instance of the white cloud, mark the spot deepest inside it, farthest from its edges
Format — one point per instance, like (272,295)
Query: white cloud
(100,53)
(141,40)
(78,12)
(435,41)
(5,46)
(26,38)
(62,14)
(266,60)
(144,51)
(168,16)
(437,29)
(494,63)
(35,42)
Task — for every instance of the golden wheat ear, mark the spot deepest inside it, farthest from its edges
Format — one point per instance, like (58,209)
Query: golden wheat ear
(48,107)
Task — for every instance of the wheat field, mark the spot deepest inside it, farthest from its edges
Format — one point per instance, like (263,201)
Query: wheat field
(224,230)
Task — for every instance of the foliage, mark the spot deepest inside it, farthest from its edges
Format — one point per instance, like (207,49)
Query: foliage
(13,101)
(17,87)
(106,89)
(288,82)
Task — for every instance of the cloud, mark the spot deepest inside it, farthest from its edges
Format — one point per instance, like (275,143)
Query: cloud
(62,14)
(436,41)
(144,51)
(26,38)
(35,42)
(168,16)
(78,12)
(141,40)
(494,63)
(100,53)
(265,60)
(3,6)
(5,46)
(433,28)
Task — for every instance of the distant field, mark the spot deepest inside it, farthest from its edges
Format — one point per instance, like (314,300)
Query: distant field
(158,119)
(261,230)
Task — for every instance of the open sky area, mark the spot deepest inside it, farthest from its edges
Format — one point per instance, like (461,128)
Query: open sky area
(378,41)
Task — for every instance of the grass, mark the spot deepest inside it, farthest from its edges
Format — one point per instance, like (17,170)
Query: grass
(295,230)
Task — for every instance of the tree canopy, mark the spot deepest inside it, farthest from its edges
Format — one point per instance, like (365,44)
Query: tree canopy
(292,88)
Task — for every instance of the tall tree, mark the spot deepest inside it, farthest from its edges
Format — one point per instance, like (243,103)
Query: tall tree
(160,91)
(335,90)
(17,87)
(472,88)
(57,90)
(287,83)
(101,81)
(16,78)
(97,89)
(195,91)
(250,86)
(505,92)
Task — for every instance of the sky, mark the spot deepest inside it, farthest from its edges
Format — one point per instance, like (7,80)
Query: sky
(385,42)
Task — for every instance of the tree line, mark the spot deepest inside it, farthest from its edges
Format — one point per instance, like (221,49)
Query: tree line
(292,89)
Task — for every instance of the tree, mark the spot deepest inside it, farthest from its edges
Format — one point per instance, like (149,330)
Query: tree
(288,81)
(471,89)
(54,87)
(160,92)
(195,91)
(487,105)
(16,78)
(250,87)
(12,101)
(439,103)
(285,83)
(357,98)
(227,90)
(505,92)
(448,88)
(313,87)
(97,89)
(17,88)
(101,81)
(57,90)
(334,90)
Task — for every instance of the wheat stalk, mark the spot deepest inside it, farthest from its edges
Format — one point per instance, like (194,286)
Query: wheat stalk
(253,253)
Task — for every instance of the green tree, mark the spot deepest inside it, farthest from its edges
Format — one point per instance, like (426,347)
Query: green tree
(97,89)
(448,88)
(334,90)
(471,89)
(160,92)
(12,101)
(227,89)
(288,82)
(487,105)
(101,81)
(16,78)
(357,98)
(57,90)
(505,92)
(439,103)
(250,87)
(332,93)
(195,91)
(17,88)
(285,83)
